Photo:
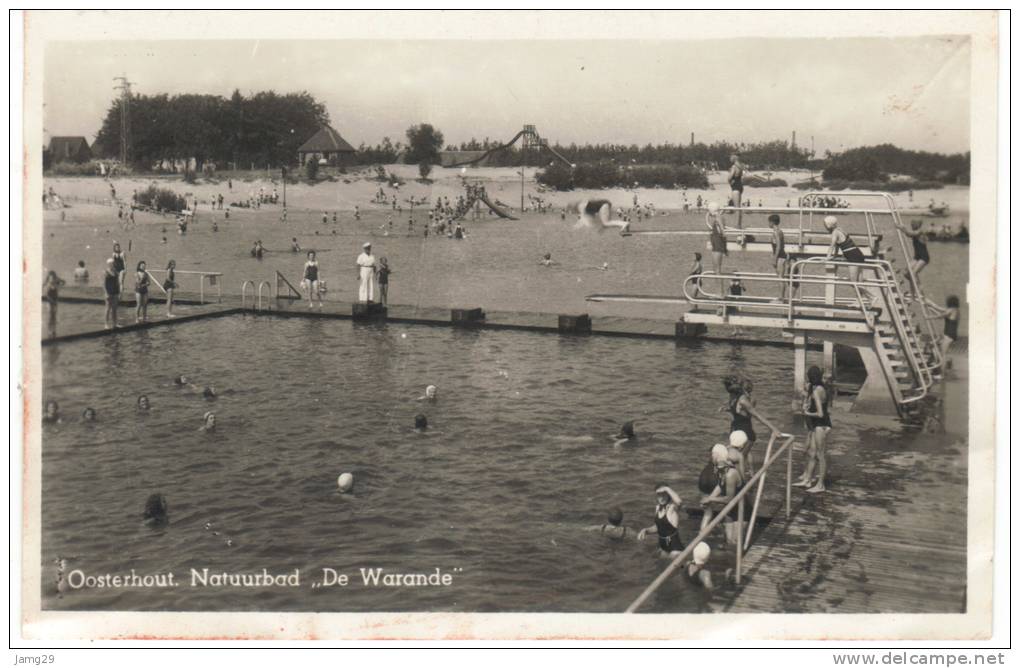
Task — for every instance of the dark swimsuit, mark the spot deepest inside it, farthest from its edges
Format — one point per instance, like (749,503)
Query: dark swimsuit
(669,535)
(142,285)
(813,421)
(311,273)
(112,285)
(920,250)
(737,183)
(717,240)
(850,250)
(593,206)
(169,283)
(118,262)
(741,422)
(952,328)
(782,246)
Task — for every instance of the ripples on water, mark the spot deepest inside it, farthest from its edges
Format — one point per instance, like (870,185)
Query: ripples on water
(518,460)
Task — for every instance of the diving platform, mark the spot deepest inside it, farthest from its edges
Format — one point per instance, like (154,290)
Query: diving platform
(865,305)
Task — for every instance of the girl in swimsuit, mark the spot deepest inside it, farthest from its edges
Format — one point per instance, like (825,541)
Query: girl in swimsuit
(696,270)
(310,280)
(921,257)
(170,284)
(667,522)
(736,179)
(728,483)
(716,240)
(816,412)
(951,328)
(51,290)
(111,286)
(141,292)
(779,255)
(742,409)
(119,265)
(842,243)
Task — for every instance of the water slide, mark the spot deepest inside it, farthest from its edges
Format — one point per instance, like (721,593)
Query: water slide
(495,209)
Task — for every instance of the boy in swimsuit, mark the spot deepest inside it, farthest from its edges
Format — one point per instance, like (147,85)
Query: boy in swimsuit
(778,252)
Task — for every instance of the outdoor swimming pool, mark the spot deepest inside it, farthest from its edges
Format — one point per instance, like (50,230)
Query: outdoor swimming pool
(519,459)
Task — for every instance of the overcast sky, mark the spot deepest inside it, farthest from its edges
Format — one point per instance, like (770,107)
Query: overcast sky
(913,92)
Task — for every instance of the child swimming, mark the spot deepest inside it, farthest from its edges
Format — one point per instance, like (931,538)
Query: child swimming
(613,529)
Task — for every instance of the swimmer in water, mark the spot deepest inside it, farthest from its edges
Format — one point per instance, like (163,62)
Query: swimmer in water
(697,571)
(595,214)
(546,260)
(667,521)
(208,393)
(143,403)
(51,414)
(626,435)
(156,510)
(208,422)
(614,528)
(421,423)
(430,394)
(88,415)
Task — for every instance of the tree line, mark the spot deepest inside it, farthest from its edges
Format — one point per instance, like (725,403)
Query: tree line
(267,128)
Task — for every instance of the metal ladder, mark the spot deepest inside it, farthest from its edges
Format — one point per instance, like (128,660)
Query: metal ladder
(904,356)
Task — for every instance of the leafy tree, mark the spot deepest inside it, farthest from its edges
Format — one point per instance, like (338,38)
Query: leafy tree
(423,144)
(424,169)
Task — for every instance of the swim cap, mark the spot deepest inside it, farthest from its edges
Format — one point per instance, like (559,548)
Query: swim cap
(207,415)
(738,439)
(431,390)
(814,375)
(713,207)
(829,221)
(701,553)
(345,481)
(366,245)
(720,453)
(615,517)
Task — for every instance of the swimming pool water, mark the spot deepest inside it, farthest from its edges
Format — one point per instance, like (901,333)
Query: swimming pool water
(518,460)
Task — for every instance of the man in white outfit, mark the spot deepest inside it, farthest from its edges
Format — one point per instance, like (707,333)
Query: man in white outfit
(366,274)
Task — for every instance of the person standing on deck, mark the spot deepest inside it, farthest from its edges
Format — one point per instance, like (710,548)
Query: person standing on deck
(51,289)
(111,286)
(310,280)
(779,255)
(366,265)
(736,180)
(716,241)
(819,424)
(120,265)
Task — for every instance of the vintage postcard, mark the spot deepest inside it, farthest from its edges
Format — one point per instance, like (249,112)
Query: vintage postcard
(539,325)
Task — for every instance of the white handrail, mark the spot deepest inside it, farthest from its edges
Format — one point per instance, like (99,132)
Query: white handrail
(269,296)
(243,287)
(719,516)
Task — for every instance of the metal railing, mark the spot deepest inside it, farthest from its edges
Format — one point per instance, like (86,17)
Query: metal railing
(269,296)
(882,283)
(244,287)
(738,502)
(214,278)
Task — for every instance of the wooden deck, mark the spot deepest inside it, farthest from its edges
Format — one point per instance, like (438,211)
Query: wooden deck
(889,535)
(72,328)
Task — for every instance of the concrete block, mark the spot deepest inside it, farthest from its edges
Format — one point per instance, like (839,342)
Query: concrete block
(575,324)
(369,311)
(466,316)
(690,330)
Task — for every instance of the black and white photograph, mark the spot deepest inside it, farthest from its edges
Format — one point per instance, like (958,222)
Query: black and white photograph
(388,324)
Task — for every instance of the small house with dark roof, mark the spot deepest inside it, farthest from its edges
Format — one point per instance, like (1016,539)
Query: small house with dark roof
(69,149)
(326,145)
